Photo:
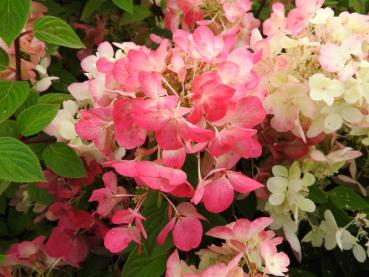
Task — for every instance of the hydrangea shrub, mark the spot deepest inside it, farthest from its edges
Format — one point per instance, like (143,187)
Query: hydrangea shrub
(230,141)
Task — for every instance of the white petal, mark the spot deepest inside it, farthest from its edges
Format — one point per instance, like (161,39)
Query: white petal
(277,184)
(276,198)
(280,170)
(359,253)
(352,115)
(67,129)
(333,122)
(306,205)
(294,171)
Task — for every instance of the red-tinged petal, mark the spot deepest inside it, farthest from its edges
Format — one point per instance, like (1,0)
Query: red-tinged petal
(199,192)
(139,60)
(58,244)
(228,139)
(218,195)
(183,191)
(104,65)
(206,43)
(128,134)
(160,177)
(120,71)
(123,217)
(173,265)
(151,84)
(187,233)
(165,231)
(249,112)
(174,158)
(188,210)
(124,167)
(201,81)
(167,136)
(221,232)
(191,132)
(145,114)
(139,225)
(110,181)
(242,183)
(117,239)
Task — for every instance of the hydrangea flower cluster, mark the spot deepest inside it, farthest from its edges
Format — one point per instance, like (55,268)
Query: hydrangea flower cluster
(288,96)
(192,97)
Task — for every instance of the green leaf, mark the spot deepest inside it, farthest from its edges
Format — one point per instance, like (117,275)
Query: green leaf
(38,148)
(125,5)
(317,195)
(90,7)
(143,265)
(56,31)
(39,195)
(3,186)
(4,60)
(12,96)
(2,259)
(8,128)
(18,163)
(190,167)
(139,13)
(54,98)
(13,16)
(357,5)
(17,222)
(346,198)
(156,218)
(35,118)
(63,161)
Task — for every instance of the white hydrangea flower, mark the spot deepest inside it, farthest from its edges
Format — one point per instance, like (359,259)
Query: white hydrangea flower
(325,89)
(334,236)
(322,16)
(331,118)
(290,190)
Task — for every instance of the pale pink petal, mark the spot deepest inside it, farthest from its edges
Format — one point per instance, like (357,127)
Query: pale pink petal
(242,183)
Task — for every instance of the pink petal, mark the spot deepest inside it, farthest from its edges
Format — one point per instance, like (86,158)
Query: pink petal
(242,183)
(165,231)
(187,233)
(174,158)
(151,84)
(218,195)
(173,265)
(127,133)
(117,239)
(123,217)
(124,167)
